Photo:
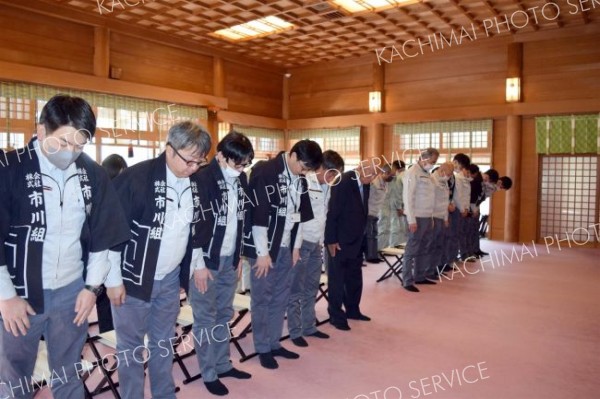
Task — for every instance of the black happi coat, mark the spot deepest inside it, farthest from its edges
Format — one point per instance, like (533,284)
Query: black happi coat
(268,189)
(213,220)
(142,190)
(23,220)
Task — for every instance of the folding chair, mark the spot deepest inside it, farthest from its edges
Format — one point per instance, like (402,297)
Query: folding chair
(322,294)
(241,304)
(395,267)
(42,373)
(107,383)
(185,320)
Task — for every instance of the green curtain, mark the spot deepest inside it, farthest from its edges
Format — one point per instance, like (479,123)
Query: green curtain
(574,134)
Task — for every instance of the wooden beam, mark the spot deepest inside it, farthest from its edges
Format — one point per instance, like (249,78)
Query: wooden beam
(70,80)
(252,120)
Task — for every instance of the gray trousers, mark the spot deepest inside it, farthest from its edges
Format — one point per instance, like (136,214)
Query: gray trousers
(306,276)
(398,230)
(414,265)
(452,233)
(212,311)
(270,296)
(436,248)
(135,318)
(64,341)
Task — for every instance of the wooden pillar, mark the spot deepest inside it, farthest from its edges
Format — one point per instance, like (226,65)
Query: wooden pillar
(213,129)
(513,169)
(372,142)
(372,134)
(285,103)
(513,152)
(218,77)
(101,52)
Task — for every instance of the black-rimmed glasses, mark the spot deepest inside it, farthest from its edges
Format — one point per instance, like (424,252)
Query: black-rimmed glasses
(187,161)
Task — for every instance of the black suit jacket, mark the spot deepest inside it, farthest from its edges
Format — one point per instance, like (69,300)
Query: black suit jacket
(347,216)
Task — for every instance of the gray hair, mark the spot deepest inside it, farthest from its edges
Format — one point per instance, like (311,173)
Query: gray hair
(189,135)
(429,153)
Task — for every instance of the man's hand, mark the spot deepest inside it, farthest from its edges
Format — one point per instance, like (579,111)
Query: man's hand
(400,212)
(201,277)
(451,207)
(465,213)
(14,312)
(476,214)
(116,294)
(295,256)
(85,302)
(333,248)
(412,227)
(262,266)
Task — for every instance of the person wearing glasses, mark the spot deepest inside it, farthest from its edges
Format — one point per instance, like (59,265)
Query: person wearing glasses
(220,228)
(282,203)
(161,200)
(59,216)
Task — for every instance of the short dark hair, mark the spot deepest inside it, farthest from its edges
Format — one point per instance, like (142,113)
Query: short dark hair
(493,175)
(463,160)
(114,164)
(237,147)
(333,160)
(309,152)
(506,182)
(474,169)
(64,110)
(398,164)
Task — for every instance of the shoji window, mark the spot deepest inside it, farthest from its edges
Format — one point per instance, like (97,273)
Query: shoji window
(121,121)
(568,188)
(569,148)
(473,138)
(266,142)
(346,141)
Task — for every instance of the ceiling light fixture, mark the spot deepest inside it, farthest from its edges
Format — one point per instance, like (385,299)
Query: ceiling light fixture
(356,6)
(253,29)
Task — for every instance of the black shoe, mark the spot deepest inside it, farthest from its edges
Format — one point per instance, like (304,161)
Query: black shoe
(425,282)
(469,259)
(284,353)
(374,260)
(235,373)
(216,387)
(319,334)
(268,361)
(360,317)
(481,253)
(342,327)
(301,342)
(411,288)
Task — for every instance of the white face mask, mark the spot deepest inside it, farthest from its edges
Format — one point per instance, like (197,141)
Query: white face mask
(428,167)
(232,173)
(62,159)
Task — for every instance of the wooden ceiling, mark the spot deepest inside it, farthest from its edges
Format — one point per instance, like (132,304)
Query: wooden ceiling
(324,32)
